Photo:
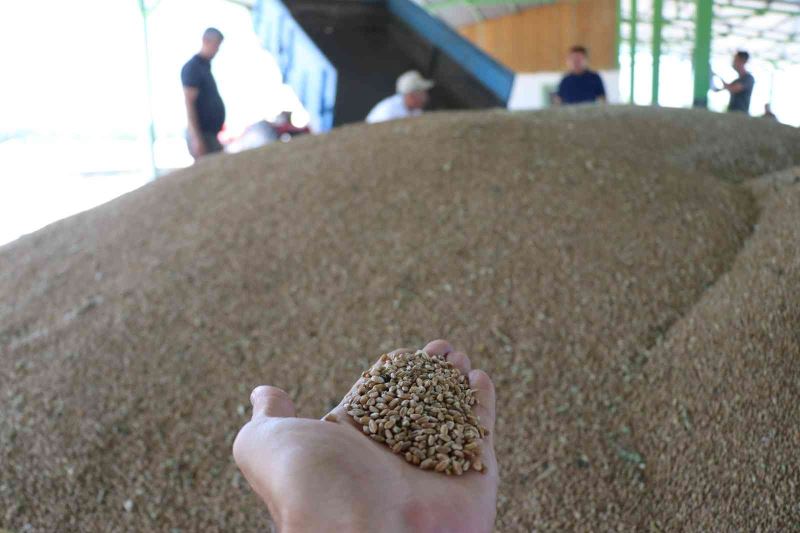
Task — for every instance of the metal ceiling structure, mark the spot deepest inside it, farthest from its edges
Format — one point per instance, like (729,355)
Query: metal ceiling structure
(460,12)
(769,28)
(691,29)
(701,29)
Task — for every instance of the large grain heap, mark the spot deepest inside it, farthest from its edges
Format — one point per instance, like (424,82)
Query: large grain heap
(634,301)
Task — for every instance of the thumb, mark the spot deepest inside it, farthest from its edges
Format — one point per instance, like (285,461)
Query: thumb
(271,402)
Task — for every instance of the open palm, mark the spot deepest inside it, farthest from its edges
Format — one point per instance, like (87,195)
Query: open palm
(325,475)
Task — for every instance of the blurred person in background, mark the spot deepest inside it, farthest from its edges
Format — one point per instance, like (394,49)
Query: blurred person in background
(204,107)
(409,100)
(768,112)
(742,87)
(580,85)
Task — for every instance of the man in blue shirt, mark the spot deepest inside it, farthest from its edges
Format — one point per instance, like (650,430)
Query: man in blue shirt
(580,85)
(204,107)
(742,87)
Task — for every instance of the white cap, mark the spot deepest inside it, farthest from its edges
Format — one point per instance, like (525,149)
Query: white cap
(412,81)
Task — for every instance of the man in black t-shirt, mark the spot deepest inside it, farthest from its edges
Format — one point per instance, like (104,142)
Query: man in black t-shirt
(742,87)
(204,106)
(580,85)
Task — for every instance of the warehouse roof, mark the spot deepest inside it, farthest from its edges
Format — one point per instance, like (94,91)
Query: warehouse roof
(768,29)
(459,12)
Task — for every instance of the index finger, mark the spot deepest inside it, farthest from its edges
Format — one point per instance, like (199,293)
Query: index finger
(486,401)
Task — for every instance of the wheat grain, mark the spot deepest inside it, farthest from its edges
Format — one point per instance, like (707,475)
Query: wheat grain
(420,406)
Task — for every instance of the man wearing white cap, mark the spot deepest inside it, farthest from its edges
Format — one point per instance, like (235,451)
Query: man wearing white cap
(411,97)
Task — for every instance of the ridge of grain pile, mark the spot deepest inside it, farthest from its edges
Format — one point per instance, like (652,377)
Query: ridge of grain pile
(629,297)
(420,406)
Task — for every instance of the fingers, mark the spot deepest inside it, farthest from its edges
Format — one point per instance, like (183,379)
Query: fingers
(478,379)
(444,348)
(460,361)
(271,402)
(480,382)
(438,347)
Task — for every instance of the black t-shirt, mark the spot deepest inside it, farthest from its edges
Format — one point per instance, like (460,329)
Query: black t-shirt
(210,109)
(578,88)
(741,100)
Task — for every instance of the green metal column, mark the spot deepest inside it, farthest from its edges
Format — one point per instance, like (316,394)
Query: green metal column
(618,36)
(658,22)
(151,129)
(702,52)
(634,17)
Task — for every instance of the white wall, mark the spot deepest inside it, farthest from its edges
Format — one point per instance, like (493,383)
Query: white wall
(532,90)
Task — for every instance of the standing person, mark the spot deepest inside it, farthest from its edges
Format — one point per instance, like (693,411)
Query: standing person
(580,85)
(204,107)
(742,87)
(410,99)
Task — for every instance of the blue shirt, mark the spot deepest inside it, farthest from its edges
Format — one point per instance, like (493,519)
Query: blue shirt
(210,109)
(741,100)
(579,88)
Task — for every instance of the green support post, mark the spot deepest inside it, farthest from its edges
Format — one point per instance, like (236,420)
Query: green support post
(701,57)
(658,23)
(618,36)
(634,17)
(151,129)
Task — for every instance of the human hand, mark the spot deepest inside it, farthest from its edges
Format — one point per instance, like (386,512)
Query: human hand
(326,475)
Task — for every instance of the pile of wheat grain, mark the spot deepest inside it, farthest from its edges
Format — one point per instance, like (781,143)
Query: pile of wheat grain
(632,301)
(420,406)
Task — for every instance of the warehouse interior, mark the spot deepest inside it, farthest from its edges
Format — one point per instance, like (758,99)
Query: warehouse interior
(594,202)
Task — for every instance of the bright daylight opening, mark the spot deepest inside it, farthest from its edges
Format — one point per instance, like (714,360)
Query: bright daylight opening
(76,134)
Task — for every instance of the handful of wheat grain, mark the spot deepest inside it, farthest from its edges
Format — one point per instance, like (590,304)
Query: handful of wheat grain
(420,406)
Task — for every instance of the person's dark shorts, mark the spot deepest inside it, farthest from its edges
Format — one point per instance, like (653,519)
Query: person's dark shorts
(210,140)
